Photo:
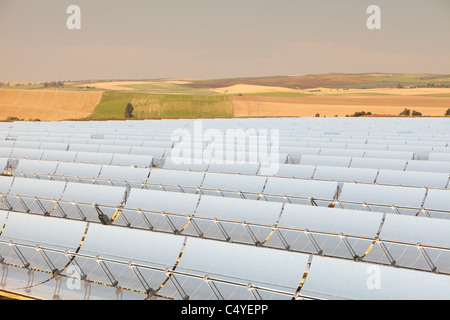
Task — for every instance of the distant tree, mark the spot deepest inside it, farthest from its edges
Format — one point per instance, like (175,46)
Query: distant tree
(416,113)
(405,112)
(399,86)
(129,111)
(317,115)
(447,113)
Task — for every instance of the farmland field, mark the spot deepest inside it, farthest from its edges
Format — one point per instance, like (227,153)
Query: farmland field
(299,96)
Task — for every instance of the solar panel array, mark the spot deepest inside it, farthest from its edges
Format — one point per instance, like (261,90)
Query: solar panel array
(356,209)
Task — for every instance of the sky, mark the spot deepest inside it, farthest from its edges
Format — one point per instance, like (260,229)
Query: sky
(210,39)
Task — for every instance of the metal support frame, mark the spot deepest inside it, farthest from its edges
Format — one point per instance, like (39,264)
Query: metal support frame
(41,206)
(25,207)
(425,255)
(22,258)
(5,200)
(80,212)
(30,280)
(149,290)
(386,252)
(213,288)
(104,219)
(47,260)
(282,239)
(108,273)
(344,239)
(250,232)
(72,259)
(147,222)
(58,281)
(176,284)
(314,242)
(4,274)
(222,230)
(254,291)
(171,225)
(196,227)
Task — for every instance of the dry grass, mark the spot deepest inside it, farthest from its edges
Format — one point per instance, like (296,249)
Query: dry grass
(337,105)
(48,105)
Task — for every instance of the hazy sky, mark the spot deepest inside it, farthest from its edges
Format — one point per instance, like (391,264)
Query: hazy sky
(144,39)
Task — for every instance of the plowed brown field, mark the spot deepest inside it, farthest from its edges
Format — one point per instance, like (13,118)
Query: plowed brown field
(47,105)
(246,106)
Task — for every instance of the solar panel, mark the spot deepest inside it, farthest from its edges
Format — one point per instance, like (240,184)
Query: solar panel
(173,180)
(114,149)
(78,170)
(148,151)
(27,144)
(56,155)
(402,155)
(40,231)
(342,152)
(83,147)
(36,167)
(244,184)
(185,164)
(272,269)
(341,279)
(132,160)
(325,161)
(373,163)
(182,205)
(3,163)
(435,156)
(125,245)
(5,184)
(348,204)
(23,153)
(90,194)
(91,157)
(294,171)
(413,178)
(122,174)
(382,195)
(232,222)
(304,189)
(240,168)
(428,166)
(345,174)
(54,146)
(437,200)
(37,188)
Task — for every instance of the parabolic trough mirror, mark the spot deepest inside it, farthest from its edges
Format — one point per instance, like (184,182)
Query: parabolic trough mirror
(134,210)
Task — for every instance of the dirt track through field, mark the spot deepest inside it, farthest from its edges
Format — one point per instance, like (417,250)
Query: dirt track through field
(330,106)
(47,105)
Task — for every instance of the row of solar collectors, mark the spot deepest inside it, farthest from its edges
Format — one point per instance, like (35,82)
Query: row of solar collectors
(334,232)
(239,178)
(143,159)
(429,127)
(38,253)
(323,190)
(309,140)
(142,156)
(305,166)
(170,176)
(370,125)
(288,138)
(81,144)
(159,148)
